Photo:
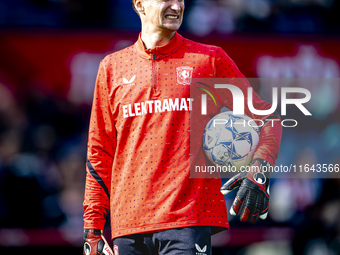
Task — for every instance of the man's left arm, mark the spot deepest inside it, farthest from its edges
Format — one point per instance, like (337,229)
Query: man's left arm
(253,193)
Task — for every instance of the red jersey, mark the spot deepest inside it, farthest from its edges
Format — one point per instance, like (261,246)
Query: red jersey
(138,151)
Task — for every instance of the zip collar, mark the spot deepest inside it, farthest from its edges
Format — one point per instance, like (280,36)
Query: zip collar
(161,51)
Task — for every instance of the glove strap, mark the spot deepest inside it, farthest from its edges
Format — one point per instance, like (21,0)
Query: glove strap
(96,232)
(265,164)
(262,162)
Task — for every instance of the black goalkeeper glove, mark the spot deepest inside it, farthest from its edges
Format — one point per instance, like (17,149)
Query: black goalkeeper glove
(95,243)
(253,194)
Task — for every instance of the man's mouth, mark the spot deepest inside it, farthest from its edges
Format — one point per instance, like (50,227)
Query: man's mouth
(172,16)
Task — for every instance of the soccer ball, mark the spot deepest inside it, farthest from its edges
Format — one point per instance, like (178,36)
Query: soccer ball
(230,140)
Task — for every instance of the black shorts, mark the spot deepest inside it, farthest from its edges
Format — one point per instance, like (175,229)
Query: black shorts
(177,241)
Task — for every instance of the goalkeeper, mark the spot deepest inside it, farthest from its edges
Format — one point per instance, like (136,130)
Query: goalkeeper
(138,162)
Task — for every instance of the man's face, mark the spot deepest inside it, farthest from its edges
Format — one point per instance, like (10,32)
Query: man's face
(163,14)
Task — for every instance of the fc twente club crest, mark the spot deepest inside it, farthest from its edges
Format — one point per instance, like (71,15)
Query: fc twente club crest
(184,75)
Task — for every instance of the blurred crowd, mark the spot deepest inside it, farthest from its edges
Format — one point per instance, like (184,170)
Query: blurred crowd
(201,17)
(42,155)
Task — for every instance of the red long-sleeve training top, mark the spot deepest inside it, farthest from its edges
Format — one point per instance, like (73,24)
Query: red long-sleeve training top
(138,149)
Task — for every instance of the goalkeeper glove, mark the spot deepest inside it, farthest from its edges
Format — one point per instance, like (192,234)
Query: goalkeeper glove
(253,193)
(95,243)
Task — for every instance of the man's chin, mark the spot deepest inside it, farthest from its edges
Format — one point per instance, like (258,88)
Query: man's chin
(171,27)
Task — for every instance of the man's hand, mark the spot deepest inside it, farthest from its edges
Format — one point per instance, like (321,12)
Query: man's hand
(253,192)
(95,243)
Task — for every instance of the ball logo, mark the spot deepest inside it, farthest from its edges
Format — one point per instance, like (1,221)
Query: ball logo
(184,75)
(259,178)
(229,146)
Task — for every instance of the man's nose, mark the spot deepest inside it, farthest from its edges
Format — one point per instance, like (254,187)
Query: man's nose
(175,6)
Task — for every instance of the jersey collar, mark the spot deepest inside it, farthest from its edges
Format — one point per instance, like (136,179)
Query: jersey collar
(158,52)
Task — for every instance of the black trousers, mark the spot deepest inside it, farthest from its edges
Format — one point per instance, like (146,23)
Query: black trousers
(177,241)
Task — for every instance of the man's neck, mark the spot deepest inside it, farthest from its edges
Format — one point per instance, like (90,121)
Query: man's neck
(156,39)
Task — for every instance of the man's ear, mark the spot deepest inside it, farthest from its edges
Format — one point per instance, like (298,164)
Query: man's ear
(139,4)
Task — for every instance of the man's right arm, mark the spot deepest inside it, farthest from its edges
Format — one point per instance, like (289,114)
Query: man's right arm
(101,148)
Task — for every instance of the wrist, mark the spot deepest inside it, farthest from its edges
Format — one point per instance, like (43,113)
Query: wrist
(261,162)
(260,166)
(90,232)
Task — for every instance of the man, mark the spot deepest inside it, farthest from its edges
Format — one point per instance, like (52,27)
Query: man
(138,152)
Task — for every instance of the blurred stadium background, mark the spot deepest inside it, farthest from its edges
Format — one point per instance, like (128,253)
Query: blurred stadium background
(49,55)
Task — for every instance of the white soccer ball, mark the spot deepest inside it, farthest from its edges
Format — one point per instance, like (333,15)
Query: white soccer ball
(230,140)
